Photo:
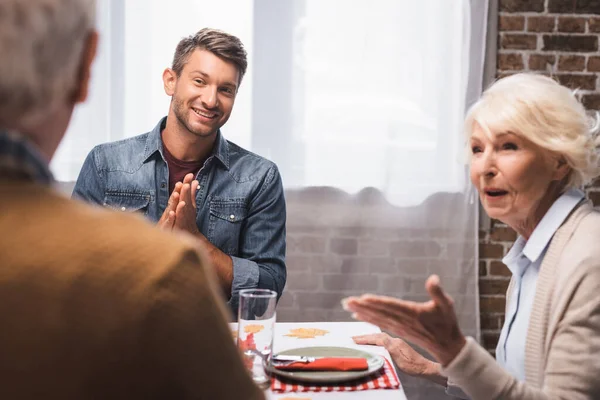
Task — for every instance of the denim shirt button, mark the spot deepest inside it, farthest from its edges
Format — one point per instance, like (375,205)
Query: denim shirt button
(163,185)
(232,217)
(123,209)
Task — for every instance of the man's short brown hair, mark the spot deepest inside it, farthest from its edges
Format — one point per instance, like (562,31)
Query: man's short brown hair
(221,44)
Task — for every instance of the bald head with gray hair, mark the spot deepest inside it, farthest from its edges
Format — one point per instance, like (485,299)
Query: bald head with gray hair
(42,43)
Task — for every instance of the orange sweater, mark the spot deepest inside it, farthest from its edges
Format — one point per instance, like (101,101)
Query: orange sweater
(97,304)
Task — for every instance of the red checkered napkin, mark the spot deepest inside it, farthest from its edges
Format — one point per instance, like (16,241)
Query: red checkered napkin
(387,379)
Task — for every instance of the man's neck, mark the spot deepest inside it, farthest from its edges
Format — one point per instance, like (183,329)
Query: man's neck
(47,133)
(184,145)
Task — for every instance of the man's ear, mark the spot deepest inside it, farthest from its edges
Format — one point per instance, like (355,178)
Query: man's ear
(169,81)
(87,58)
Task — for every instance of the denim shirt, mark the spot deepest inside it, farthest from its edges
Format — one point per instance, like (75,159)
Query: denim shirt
(240,203)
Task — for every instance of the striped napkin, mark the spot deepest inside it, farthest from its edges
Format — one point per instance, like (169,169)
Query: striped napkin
(387,379)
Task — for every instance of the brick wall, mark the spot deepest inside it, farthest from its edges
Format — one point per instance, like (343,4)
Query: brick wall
(340,245)
(559,38)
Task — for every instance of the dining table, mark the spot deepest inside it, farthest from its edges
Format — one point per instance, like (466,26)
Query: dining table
(339,334)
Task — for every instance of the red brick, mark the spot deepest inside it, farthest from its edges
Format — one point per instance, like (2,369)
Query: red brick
(571,63)
(511,23)
(503,234)
(320,300)
(345,282)
(415,249)
(510,61)
(490,322)
(593,64)
(594,24)
(297,263)
(482,268)
(488,250)
(570,43)
(300,229)
(382,265)
(351,232)
(571,24)
(585,82)
(492,304)
(306,244)
(540,62)
(521,5)
(490,340)
(353,265)
(303,280)
(499,269)
(518,41)
(591,101)
(373,247)
(325,263)
(286,300)
(395,285)
(493,286)
(574,6)
(541,24)
(595,197)
(343,246)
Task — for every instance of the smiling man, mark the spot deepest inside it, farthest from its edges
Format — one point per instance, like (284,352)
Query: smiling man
(184,174)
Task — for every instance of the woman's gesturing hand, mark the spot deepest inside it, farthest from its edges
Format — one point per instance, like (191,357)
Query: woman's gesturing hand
(431,325)
(405,357)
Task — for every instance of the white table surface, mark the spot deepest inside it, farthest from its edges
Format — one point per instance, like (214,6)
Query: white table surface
(340,334)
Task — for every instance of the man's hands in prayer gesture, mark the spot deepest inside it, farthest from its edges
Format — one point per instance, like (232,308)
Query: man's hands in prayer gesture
(180,214)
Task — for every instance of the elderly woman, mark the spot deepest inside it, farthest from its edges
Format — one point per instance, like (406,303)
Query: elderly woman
(532,148)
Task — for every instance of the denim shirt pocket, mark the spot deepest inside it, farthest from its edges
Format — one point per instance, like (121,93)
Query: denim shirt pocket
(127,201)
(227,218)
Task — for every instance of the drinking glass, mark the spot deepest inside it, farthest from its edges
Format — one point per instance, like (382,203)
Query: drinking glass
(256,321)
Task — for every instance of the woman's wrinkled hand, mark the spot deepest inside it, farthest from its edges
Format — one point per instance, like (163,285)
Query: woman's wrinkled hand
(406,358)
(431,325)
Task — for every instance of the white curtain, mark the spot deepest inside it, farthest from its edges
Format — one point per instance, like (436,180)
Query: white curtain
(359,103)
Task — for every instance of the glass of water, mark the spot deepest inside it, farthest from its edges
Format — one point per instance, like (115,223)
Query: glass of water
(256,322)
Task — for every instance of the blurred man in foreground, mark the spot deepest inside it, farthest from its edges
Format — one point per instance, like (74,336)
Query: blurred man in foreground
(93,304)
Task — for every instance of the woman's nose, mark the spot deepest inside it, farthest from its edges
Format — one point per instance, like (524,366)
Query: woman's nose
(489,164)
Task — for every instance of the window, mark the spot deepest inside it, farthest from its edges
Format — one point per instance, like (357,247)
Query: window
(344,94)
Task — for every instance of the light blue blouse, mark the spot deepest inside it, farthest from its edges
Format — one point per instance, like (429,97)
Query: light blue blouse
(524,260)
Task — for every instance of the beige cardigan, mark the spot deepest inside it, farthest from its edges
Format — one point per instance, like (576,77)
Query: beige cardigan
(562,352)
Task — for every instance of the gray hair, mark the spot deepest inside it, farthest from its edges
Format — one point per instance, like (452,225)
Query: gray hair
(42,43)
(221,44)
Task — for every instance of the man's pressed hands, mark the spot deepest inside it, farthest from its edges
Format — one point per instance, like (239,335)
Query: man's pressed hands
(185,211)
(180,212)
(167,220)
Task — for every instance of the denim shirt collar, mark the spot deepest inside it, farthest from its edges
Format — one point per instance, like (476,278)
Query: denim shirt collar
(154,144)
(21,159)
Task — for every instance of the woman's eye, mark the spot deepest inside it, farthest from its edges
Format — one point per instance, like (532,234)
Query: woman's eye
(476,149)
(509,146)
